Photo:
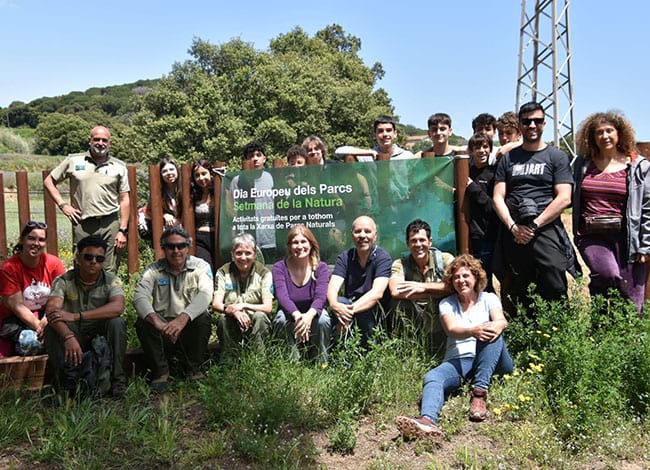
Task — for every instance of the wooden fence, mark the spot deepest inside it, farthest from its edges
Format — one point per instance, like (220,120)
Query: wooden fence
(24,210)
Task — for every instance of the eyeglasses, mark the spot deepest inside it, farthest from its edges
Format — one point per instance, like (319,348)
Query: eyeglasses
(39,225)
(537,121)
(176,246)
(90,257)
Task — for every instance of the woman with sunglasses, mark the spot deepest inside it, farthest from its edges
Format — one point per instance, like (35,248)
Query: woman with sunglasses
(25,282)
(611,220)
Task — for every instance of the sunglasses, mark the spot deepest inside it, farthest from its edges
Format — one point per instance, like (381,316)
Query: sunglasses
(39,225)
(90,257)
(176,246)
(537,121)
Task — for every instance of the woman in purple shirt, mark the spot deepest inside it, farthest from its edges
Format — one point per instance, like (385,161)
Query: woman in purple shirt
(300,283)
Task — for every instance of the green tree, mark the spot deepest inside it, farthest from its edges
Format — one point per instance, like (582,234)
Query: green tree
(60,134)
(211,105)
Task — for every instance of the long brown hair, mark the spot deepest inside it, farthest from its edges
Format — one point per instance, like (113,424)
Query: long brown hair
(314,253)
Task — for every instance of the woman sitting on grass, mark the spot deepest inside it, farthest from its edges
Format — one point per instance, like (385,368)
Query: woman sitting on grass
(25,282)
(301,289)
(473,321)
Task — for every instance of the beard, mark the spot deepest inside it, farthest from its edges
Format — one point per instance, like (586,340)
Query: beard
(99,152)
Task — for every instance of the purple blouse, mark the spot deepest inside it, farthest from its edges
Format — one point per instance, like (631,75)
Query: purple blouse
(292,298)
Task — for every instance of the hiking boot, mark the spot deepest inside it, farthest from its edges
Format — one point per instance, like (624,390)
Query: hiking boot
(417,428)
(118,389)
(477,405)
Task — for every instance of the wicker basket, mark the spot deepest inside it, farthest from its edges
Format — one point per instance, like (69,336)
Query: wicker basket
(23,372)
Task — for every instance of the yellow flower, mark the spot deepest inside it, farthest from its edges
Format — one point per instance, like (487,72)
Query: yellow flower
(515,373)
(506,406)
(539,332)
(546,335)
(554,328)
(323,365)
(515,407)
(496,411)
(523,398)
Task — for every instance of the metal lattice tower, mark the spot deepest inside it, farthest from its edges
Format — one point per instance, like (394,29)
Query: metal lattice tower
(545,66)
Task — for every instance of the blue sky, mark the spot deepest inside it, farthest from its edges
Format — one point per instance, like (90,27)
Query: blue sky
(455,57)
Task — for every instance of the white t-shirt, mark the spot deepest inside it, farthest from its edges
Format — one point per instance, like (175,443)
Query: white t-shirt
(479,313)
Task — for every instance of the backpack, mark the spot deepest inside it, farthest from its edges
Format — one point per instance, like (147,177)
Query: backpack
(93,376)
(407,264)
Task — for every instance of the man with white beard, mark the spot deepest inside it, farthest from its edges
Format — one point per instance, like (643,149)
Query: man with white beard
(99,188)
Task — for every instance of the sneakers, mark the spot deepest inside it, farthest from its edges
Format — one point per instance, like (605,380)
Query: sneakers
(477,406)
(417,428)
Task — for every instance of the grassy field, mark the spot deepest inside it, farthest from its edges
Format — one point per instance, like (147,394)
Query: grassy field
(578,398)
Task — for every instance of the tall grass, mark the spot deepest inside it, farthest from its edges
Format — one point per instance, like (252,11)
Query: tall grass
(578,398)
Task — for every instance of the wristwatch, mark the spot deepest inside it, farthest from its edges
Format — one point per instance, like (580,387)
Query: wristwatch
(534,226)
(124,230)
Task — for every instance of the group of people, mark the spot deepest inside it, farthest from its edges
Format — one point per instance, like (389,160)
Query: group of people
(517,193)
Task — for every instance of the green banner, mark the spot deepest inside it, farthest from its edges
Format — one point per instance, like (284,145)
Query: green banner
(328,198)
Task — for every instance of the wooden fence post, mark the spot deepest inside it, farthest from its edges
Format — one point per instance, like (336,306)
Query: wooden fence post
(49,207)
(134,237)
(22,185)
(461,174)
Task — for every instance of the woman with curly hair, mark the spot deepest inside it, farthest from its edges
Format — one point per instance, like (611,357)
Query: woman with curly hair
(202,186)
(473,321)
(611,206)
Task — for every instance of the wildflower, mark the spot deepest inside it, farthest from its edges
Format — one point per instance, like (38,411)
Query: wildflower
(515,407)
(554,328)
(539,332)
(515,373)
(507,376)
(506,406)
(546,335)
(497,411)
(523,398)
(323,365)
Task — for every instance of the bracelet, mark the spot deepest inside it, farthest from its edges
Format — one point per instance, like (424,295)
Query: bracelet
(81,317)
(513,224)
(62,205)
(66,338)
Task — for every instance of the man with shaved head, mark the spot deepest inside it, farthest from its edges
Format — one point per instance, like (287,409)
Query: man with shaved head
(99,189)
(363,272)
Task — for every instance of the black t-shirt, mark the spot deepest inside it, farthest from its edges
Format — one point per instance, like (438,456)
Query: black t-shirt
(483,219)
(532,175)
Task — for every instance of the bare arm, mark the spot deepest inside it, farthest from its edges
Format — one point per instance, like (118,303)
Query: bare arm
(16,303)
(120,238)
(70,212)
(413,290)
(370,298)
(488,331)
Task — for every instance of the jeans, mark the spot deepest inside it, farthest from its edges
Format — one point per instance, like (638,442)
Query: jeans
(320,334)
(491,358)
